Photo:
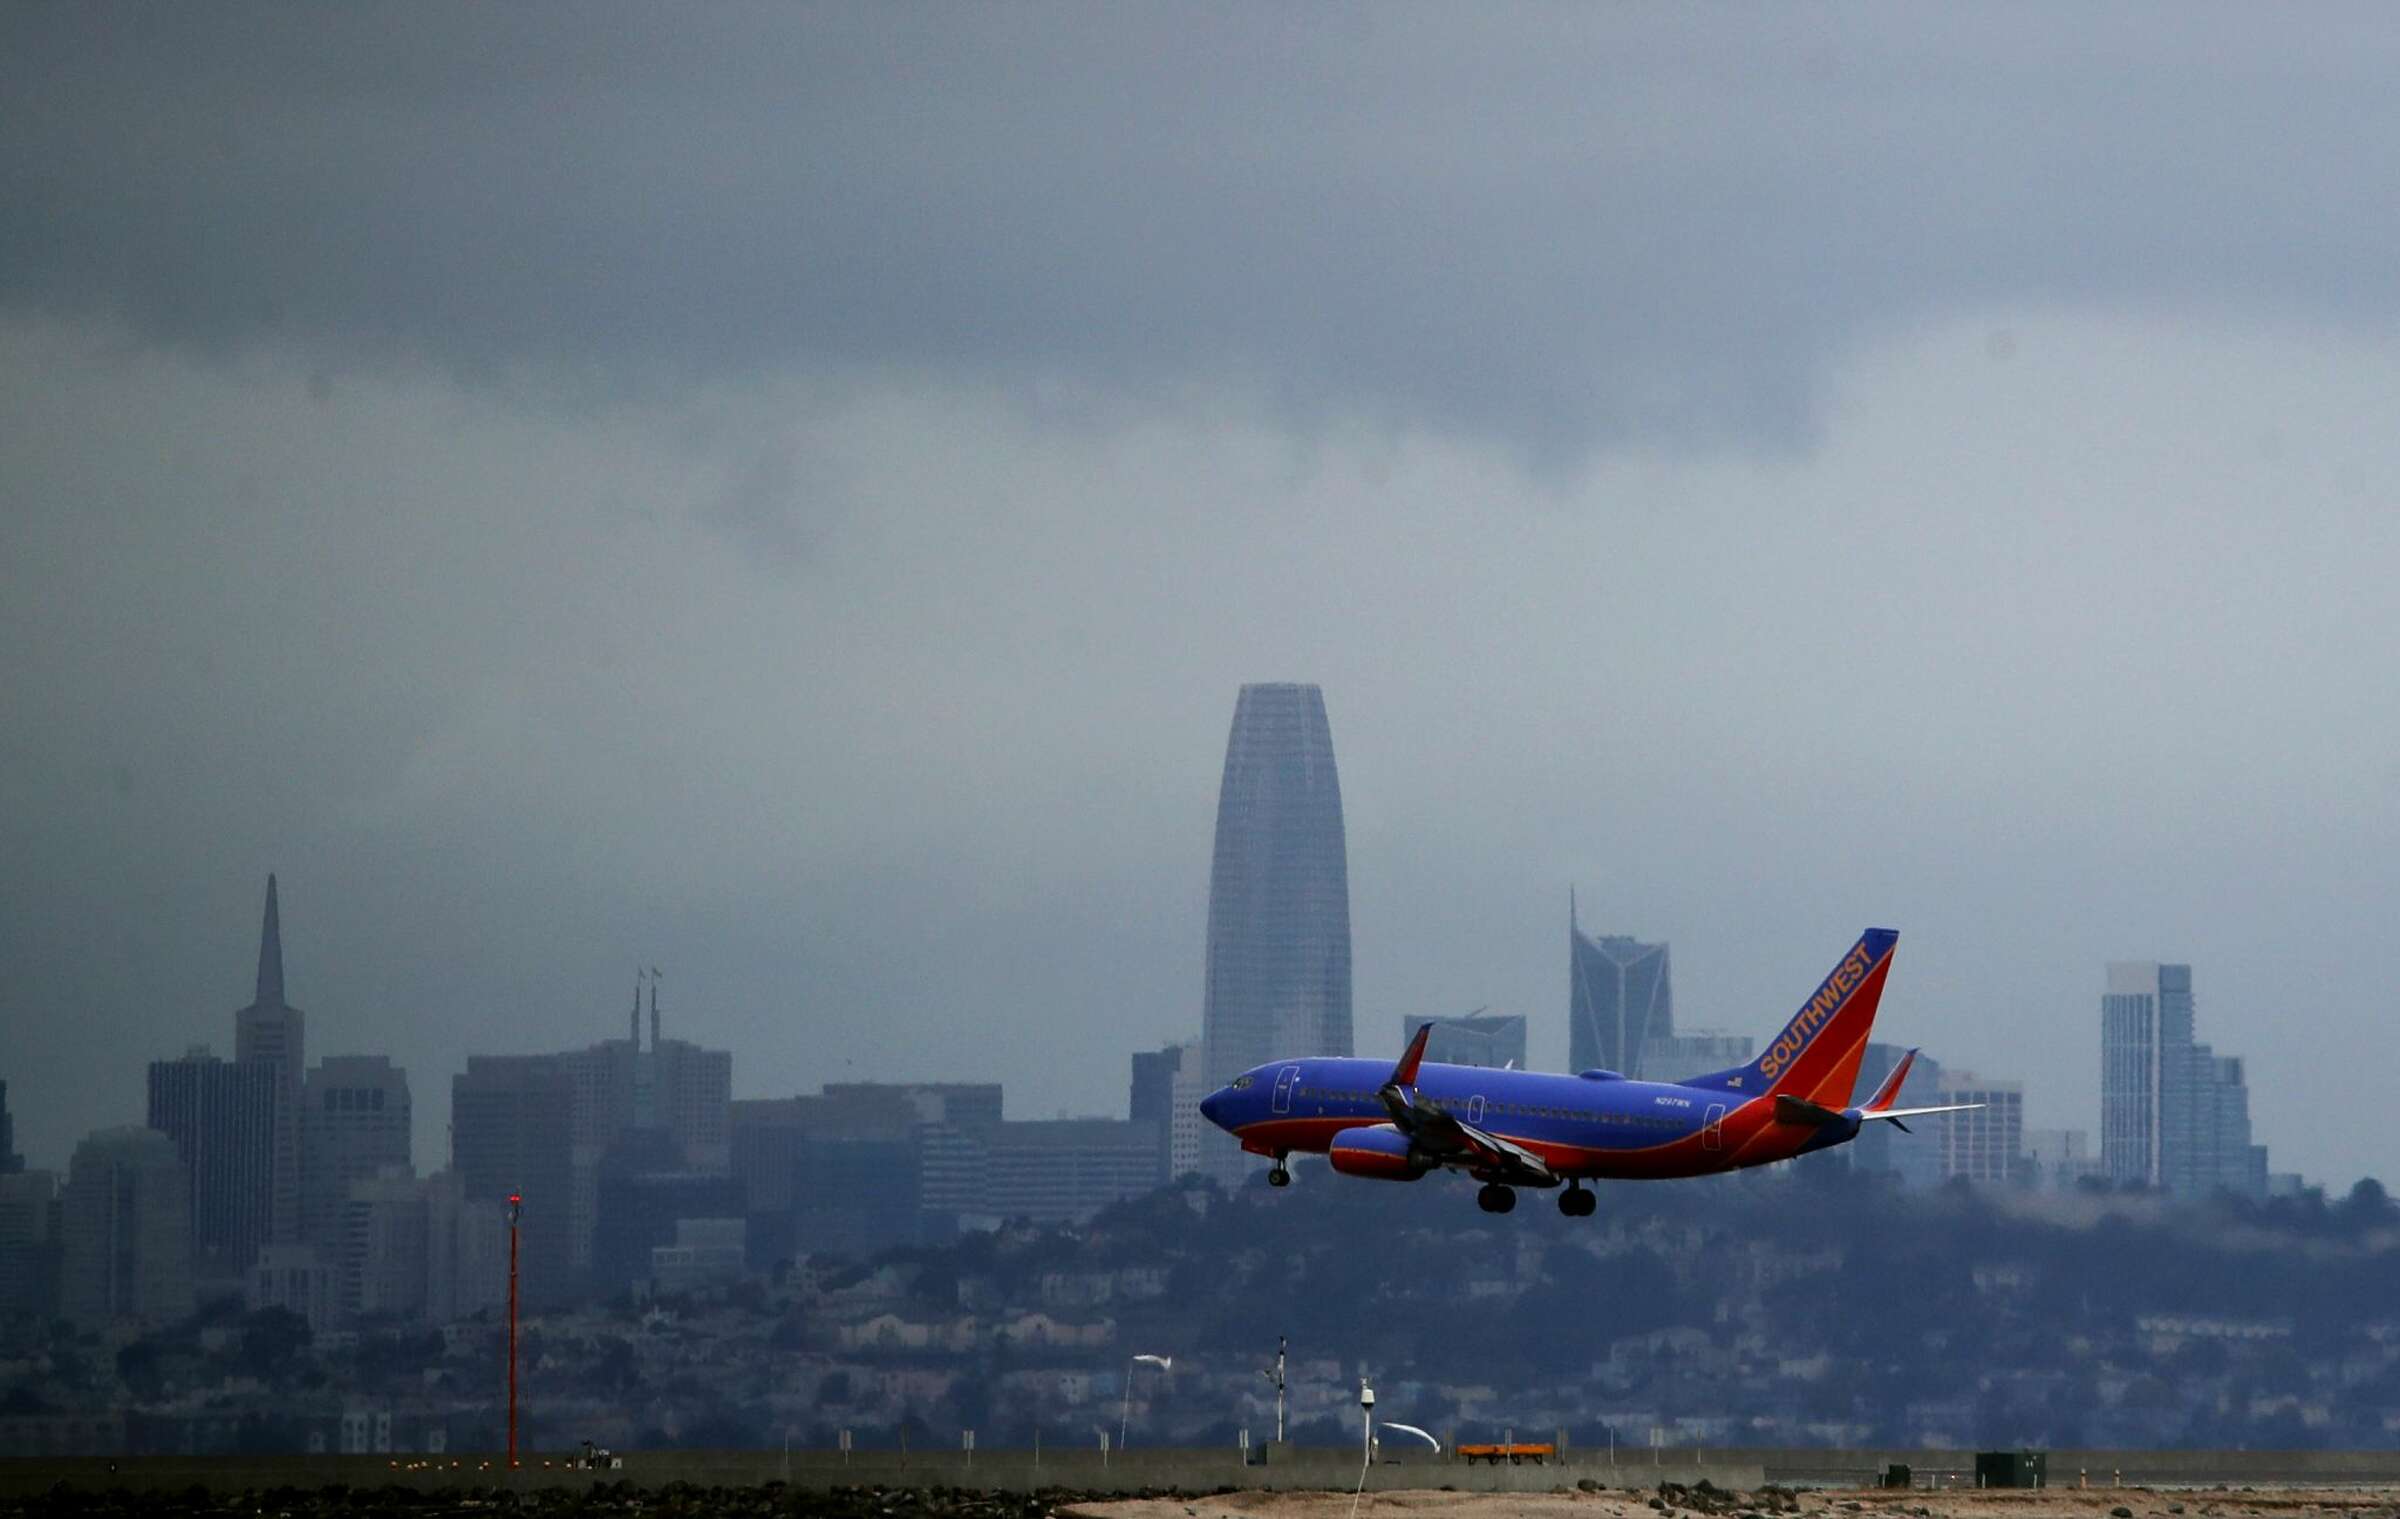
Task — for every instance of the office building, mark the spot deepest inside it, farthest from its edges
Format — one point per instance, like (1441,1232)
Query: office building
(2060,1160)
(1278,968)
(645,1189)
(272,1032)
(1063,1170)
(512,1131)
(1674,1057)
(1620,997)
(1167,1087)
(861,1167)
(380,1258)
(2173,1114)
(10,1160)
(1491,1039)
(125,1227)
(354,1126)
(221,1117)
(29,1227)
(707,1252)
(466,1250)
(1985,1145)
(673,1086)
(298,1279)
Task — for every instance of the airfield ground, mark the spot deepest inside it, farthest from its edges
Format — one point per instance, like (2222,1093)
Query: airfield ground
(683,1501)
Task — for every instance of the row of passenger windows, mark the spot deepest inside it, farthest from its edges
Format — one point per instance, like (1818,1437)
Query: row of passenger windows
(1520,1110)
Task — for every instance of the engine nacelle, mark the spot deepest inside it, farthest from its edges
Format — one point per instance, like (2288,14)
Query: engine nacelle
(1380,1151)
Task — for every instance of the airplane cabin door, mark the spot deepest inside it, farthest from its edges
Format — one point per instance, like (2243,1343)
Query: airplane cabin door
(1285,1080)
(1475,1109)
(1713,1136)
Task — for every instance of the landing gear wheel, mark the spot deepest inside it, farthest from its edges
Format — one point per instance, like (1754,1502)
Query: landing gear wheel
(1577,1203)
(1280,1176)
(1495,1198)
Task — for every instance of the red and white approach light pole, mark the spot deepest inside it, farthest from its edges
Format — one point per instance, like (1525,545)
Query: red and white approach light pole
(516,1206)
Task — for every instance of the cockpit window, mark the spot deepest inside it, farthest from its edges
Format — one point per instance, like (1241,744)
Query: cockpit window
(1240,1081)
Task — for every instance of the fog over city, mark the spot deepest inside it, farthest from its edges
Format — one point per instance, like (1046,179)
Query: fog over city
(789,495)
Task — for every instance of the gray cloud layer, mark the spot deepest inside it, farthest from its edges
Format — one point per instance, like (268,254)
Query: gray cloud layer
(1555,226)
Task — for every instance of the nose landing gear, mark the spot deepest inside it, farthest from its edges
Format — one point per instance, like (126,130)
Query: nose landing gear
(1281,1176)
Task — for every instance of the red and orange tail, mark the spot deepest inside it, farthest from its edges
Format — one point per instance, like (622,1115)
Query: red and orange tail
(1816,1057)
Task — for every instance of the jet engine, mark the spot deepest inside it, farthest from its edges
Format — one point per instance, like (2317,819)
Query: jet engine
(1380,1151)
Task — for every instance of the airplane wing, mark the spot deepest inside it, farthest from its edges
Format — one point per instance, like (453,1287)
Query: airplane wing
(1440,1135)
(1457,1143)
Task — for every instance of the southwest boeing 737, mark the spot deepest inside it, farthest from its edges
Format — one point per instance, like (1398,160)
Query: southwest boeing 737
(1511,1129)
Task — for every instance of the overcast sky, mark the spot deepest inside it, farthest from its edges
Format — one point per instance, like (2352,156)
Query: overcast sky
(789,496)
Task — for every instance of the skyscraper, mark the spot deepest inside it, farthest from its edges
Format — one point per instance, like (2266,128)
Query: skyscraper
(10,1160)
(220,1115)
(512,1130)
(354,1127)
(1278,977)
(2173,1113)
(1619,998)
(273,1031)
(126,1231)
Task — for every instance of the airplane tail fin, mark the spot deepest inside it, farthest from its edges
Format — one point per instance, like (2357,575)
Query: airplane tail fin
(1815,1059)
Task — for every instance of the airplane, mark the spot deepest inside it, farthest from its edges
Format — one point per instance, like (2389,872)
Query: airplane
(1510,1129)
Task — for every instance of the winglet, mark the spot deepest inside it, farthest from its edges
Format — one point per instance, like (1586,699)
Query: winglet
(1889,1092)
(1404,1075)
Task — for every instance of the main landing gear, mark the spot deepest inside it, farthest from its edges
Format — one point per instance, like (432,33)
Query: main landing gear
(1576,1202)
(1495,1198)
(1281,1176)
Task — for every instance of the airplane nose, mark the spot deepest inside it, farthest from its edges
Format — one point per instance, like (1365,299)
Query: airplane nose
(1212,1106)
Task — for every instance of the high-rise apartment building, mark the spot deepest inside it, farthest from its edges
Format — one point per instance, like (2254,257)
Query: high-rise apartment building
(1278,971)
(1489,1039)
(354,1127)
(1620,997)
(220,1116)
(2173,1114)
(126,1231)
(273,1032)
(1985,1144)
(512,1131)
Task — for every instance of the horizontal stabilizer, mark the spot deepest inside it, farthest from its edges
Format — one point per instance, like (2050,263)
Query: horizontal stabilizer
(1790,1109)
(1893,1116)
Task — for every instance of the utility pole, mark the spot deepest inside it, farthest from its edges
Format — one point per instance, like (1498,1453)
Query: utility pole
(516,1207)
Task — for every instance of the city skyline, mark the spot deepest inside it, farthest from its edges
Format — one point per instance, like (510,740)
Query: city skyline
(2173,1114)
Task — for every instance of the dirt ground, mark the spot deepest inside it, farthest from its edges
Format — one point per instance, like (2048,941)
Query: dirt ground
(2049,1503)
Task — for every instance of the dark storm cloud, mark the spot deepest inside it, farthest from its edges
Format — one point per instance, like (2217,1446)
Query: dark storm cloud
(1556,227)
